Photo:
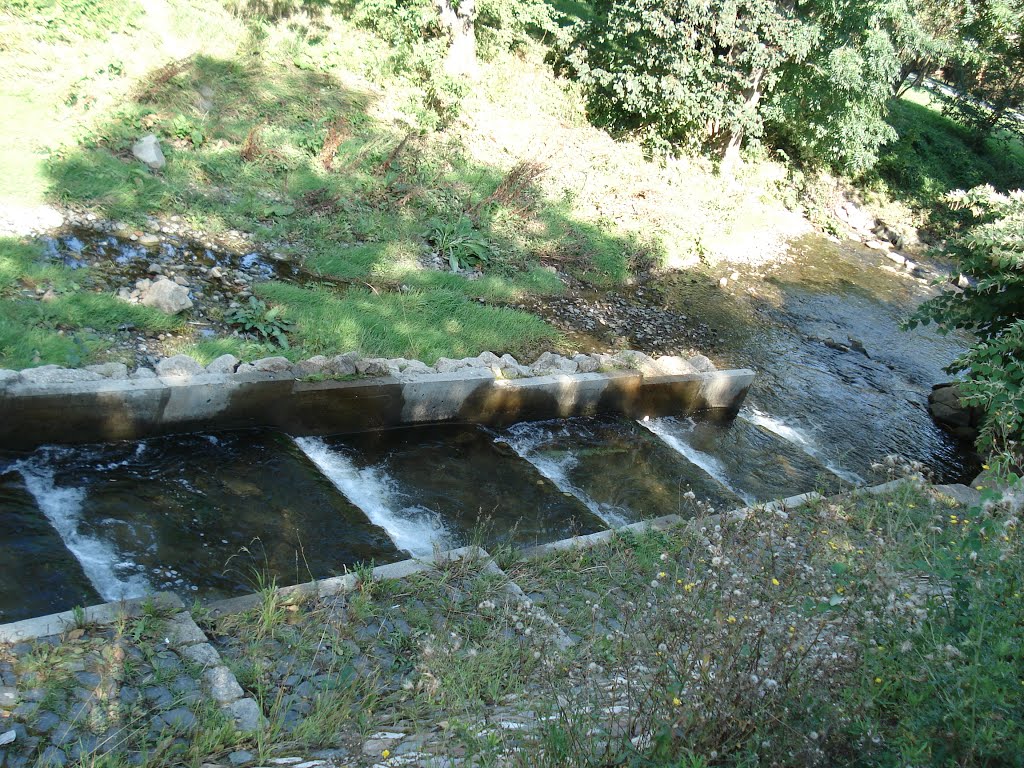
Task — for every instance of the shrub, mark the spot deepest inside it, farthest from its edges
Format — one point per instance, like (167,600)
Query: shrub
(990,252)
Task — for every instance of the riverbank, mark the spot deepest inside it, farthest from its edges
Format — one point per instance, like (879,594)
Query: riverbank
(782,632)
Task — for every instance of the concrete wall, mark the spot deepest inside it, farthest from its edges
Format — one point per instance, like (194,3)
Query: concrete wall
(33,413)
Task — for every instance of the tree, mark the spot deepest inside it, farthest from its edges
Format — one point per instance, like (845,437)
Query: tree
(989,70)
(689,72)
(990,252)
(831,107)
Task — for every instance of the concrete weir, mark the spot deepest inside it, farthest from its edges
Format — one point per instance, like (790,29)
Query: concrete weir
(37,413)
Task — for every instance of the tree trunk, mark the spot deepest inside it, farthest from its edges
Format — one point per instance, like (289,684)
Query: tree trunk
(458,20)
(734,139)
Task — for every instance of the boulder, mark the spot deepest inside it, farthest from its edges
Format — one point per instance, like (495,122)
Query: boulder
(179,365)
(54,374)
(143,373)
(448,365)
(342,365)
(315,366)
(416,367)
(273,365)
(8,377)
(223,365)
(637,361)
(165,295)
(701,364)
(673,365)
(375,366)
(147,149)
(944,406)
(550,363)
(511,368)
(585,363)
(110,370)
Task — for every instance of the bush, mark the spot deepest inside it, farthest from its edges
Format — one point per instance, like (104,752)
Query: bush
(990,252)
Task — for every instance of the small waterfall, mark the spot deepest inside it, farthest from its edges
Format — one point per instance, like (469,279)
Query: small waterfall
(797,437)
(414,529)
(524,439)
(111,576)
(665,429)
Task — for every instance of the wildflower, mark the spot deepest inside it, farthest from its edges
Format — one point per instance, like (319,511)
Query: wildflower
(731,620)
(664,557)
(662,574)
(677,703)
(689,587)
(984,466)
(878,681)
(386,754)
(775,582)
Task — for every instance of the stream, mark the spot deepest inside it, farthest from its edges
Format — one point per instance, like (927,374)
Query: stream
(839,386)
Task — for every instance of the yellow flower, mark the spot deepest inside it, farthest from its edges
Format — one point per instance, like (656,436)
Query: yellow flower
(731,619)
(878,680)
(662,574)
(984,466)
(689,587)
(679,581)
(676,702)
(386,754)
(775,582)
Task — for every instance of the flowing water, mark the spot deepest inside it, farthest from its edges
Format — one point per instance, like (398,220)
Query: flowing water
(839,385)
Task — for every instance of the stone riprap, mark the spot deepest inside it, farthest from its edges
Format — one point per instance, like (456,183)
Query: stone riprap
(349,393)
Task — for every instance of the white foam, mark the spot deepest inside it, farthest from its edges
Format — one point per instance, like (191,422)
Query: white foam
(107,571)
(799,438)
(413,528)
(670,431)
(525,438)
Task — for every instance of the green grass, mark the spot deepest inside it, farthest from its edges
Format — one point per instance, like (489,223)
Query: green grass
(65,330)
(934,155)
(421,325)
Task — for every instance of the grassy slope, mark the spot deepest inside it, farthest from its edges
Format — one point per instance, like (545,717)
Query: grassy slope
(245,119)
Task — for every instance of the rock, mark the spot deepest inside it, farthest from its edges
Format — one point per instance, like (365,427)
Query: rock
(246,714)
(8,737)
(897,258)
(604,362)
(637,361)
(585,363)
(673,365)
(222,684)
(147,149)
(155,269)
(723,282)
(944,406)
(182,281)
(375,366)
(54,374)
(448,365)
(549,363)
(179,719)
(488,360)
(179,365)
(223,365)
(245,368)
(342,365)
(203,654)
(701,364)
(110,370)
(165,295)
(273,365)
(143,373)
(8,377)
(417,367)
(52,758)
(315,366)
(876,245)
(241,757)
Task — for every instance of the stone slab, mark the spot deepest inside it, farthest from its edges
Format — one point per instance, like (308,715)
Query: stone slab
(129,409)
(107,613)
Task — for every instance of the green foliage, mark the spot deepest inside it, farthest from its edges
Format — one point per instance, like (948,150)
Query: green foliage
(459,243)
(73,19)
(830,109)
(991,253)
(988,70)
(685,71)
(255,318)
(947,690)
